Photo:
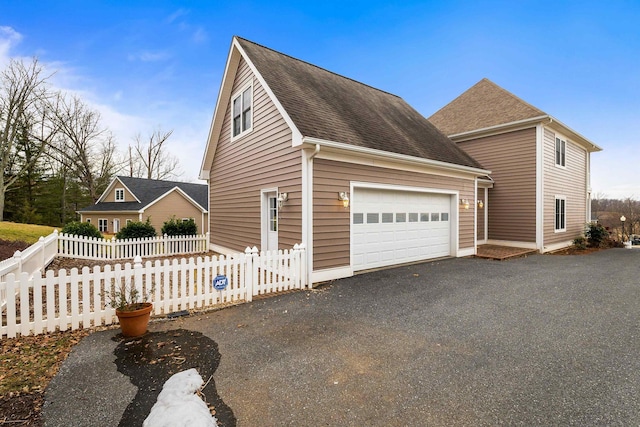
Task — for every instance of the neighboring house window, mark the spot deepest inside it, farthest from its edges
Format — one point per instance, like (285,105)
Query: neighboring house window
(241,112)
(119,194)
(187,219)
(102,225)
(561,213)
(561,152)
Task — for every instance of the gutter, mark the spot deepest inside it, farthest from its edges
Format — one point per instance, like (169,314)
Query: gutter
(393,156)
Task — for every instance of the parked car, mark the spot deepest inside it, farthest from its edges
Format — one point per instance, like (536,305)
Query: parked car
(635,240)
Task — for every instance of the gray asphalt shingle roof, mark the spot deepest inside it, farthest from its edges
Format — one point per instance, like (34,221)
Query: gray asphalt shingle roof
(331,107)
(148,190)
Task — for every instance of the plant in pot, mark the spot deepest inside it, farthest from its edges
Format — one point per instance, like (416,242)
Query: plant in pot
(132,308)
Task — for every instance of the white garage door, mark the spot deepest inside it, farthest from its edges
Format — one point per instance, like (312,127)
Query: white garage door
(393,227)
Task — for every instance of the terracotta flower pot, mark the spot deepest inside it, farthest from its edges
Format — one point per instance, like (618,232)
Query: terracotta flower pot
(134,321)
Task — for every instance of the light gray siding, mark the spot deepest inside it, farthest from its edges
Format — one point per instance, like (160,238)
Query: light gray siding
(511,157)
(264,158)
(331,222)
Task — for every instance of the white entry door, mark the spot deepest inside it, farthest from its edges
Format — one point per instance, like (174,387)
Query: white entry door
(391,227)
(270,221)
(116,225)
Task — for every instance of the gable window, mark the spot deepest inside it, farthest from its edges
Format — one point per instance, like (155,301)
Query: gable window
(561,214)
(241,106)
(561,150)
(119,194)
(102,225)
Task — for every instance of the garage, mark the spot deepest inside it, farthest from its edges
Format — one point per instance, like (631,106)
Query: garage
(391,227)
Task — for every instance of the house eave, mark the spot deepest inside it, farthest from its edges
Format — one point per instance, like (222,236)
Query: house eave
(525,124)
(403,158)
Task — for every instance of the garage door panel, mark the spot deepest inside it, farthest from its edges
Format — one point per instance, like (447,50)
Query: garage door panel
(392,227)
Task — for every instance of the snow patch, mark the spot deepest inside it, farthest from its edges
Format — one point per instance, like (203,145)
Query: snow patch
(178,405)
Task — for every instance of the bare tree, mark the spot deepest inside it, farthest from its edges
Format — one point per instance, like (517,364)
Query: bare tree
(24,107)
(83,145)
(150,159)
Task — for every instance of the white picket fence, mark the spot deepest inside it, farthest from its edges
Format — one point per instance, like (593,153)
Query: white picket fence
(76,299)
(37,256)
(116,249)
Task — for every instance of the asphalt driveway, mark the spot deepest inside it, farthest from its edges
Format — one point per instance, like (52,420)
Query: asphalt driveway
(542,340)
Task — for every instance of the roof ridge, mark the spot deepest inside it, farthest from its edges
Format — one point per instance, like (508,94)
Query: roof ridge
(318,67)
(516,97)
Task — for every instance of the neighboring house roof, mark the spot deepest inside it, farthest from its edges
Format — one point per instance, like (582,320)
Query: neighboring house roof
(147,192)
(487,106)
(324,106)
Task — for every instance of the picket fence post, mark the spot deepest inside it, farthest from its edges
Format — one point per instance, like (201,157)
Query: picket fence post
(17,256)
(248,275)
(137,275)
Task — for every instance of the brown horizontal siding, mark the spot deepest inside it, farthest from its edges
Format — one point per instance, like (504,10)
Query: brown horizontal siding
(570,182)
(110,217)
(111,195)
(260,159)
(173,205)
(331,222)
(511,157)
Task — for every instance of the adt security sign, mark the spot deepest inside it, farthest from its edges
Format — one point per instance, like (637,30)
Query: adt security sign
(220,282)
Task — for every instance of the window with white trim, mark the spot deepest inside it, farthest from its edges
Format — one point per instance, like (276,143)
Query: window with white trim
(561,152)
(119,194)
(241,112)
(102,225)
(129,221)
(561,214)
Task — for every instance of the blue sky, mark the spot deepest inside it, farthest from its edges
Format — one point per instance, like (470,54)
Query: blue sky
(155,64)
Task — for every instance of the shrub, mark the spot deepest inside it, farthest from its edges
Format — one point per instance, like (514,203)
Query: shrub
(78,228)
(597,235)
(580,243)
(137,230)
(175,227)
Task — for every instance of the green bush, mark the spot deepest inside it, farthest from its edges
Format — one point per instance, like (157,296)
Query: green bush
(176,227)
(580,243)
(137,230)
(78,228)
(597,235)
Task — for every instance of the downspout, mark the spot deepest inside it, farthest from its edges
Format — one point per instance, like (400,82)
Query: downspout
(309,216)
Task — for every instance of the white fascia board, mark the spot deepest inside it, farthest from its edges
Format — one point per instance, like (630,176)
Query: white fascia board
(573,135)
(106,190)
(497,129)
(296,135)
(403,158)
(235,54)
(179,190)
(110,187)
(233,59)
(107,212)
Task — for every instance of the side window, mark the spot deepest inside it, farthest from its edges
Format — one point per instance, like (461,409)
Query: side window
(561,152)
(241,112)
(561,214)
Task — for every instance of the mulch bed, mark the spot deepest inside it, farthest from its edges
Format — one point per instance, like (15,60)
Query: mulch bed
(9,247)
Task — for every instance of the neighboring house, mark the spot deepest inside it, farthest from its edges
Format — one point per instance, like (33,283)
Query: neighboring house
(129,199)
(541,195)
(289,139)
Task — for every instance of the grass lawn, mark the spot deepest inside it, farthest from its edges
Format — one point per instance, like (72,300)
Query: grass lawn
(29,233)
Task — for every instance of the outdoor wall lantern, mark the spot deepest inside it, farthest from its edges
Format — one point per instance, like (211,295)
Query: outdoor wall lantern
(344,197)
(480,204)
(464,203)
(282,197)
